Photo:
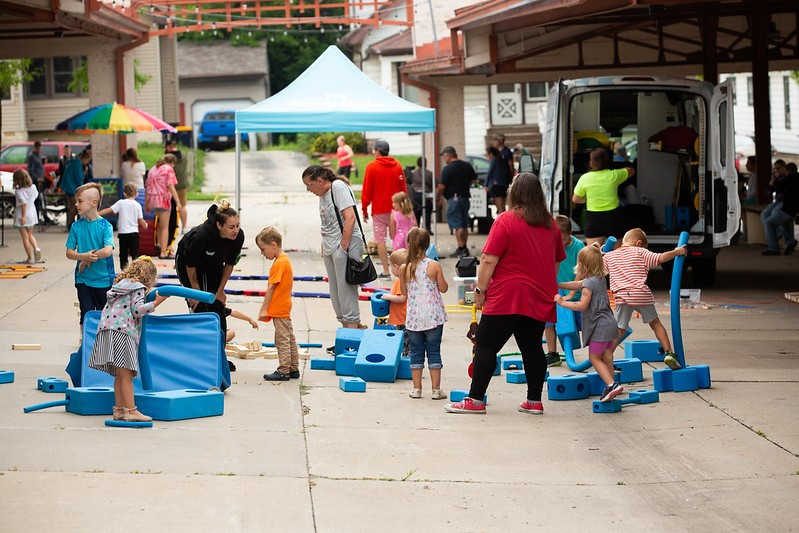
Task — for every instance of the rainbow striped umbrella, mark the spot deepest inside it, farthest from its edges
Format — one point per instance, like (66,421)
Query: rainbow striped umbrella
(113,118)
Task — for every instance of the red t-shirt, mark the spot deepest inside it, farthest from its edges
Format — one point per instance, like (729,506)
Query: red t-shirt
(524,280)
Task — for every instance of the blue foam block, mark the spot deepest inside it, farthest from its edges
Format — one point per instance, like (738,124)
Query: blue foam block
(512,362)
(631,371)
(6,376)
(643,396)
(90,401)
(40,381)
(647,351)
(458,395)
(568,387)
(516,376)
(612,406)
(498,368)
(404,368)
(323,363)
(684,380)
(379,305)
(382,323)
(197,361)
(351,384)
(702,375)
(566,326)
(345,365)
(378,355)
(348,339)
(662,380)
(54,385)
(181,404)
(595,384)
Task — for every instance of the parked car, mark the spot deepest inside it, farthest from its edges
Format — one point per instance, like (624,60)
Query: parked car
(15,155)
(7,199)
(218,131)
(480,165)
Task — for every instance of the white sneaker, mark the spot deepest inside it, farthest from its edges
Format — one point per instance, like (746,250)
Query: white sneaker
(37,254)
(416,393)
(438,394)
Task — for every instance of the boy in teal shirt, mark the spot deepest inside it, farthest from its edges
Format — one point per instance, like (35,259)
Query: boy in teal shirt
(565,273)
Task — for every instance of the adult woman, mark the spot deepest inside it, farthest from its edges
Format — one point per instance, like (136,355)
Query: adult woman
(160,189)
(206,257)
(344,154)
(495,185)
(341,236)
(598,190)
(132,169)
(516,284)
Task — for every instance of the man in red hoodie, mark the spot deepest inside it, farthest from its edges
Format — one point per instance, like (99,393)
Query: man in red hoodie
(382,179)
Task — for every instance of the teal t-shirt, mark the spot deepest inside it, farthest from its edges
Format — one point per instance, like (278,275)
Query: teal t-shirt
(599,188)
(566,268)
(86,235)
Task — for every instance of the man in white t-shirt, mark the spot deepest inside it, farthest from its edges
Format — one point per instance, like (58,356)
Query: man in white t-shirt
(130,220)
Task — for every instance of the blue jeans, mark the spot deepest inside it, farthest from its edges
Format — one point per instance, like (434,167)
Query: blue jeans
(90,298)
(777,222)
(458,212)
(428,341)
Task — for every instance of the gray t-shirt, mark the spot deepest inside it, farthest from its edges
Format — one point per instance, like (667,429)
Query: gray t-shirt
(331,231)
(598,322)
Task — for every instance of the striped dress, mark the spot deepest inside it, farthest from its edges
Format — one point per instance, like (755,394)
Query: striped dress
(117,342)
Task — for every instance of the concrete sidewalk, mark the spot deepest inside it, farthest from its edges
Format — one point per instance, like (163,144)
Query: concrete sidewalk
(305,456)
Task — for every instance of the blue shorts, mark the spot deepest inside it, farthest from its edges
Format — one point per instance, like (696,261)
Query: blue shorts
(458,213)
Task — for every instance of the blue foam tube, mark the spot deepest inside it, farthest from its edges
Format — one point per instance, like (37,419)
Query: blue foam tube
(45,405)
(609,244)
(568,350)
(676,281)
(182,292)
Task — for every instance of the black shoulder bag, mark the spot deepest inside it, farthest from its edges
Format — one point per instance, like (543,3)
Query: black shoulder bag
(358,272)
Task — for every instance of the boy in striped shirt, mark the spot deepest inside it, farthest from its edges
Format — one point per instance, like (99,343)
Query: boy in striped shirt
(628,267)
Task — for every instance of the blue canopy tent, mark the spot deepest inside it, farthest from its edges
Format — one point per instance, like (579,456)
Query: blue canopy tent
(331,95)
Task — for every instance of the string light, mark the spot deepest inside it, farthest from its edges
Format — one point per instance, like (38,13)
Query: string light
(249,34)
(322,30)
(196,8)
(305,39)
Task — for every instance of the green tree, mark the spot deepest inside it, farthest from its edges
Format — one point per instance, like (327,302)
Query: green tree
(13,72)
(80,78)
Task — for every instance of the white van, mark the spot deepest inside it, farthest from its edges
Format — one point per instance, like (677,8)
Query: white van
(679,136)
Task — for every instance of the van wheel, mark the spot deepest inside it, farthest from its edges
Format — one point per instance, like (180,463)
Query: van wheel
(704,271)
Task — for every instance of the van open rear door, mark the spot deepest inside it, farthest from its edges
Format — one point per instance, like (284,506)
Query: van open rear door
(551,173)
(726,206)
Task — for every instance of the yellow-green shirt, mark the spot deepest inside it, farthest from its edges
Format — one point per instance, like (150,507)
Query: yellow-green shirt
(599,188)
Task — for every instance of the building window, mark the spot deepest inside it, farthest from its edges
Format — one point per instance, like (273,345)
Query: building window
(750,99)
(536,90)
(56,75)
(786,85)
(5,94)
(408,92)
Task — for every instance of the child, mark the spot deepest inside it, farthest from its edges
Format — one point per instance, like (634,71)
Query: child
(91,244)
(423,282)
(401,221)
(565,273)
(397,300)
(277,304)
(130,219)
(116,347)
(230,333)
(628,266)
(25,215)
(599,327)
(159,188)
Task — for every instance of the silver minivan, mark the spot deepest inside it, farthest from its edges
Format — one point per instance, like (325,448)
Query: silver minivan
(680,135)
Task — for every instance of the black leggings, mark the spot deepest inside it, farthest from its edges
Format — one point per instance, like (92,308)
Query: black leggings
(128,247)
(492,334)
(209,282)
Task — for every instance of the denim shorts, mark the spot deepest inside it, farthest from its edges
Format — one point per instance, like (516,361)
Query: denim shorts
(458,213)
(429,342)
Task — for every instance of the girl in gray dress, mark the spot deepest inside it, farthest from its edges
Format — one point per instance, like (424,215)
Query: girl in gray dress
(599,326)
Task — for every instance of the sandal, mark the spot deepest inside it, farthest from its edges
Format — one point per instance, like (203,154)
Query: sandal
(133,415)
(119,413)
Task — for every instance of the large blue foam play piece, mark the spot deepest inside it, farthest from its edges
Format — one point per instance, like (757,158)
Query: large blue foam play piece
(512,362)
(674,301)
(379,355)
(404,368)
(569,337)
(684,379)
(40,381)
(53,385)
(181,352)
(631,370)
(661,380)
(379,305)
(181,404)
(348,384)
(642,396)
(6,376)
(702,375)
(345,365)
(568,387)
(348,339)
(595,384)
(457,395)
(90,401)
(126,424)
(647,351)
(323,363)
(516,376)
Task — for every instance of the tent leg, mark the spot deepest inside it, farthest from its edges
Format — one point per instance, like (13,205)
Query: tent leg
(238,172)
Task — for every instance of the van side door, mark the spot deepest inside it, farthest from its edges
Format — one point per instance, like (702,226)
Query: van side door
(551,171)
(726,205)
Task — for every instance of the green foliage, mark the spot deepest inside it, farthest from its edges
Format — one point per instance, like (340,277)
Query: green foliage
(795,75)
(80,79)
(325,143)
(15,71)
(139,79)
(289,55)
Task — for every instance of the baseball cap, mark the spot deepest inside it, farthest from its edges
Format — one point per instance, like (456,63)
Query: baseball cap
(381,146)
(449,150)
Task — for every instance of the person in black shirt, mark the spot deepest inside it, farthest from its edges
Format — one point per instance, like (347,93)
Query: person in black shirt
(456,179)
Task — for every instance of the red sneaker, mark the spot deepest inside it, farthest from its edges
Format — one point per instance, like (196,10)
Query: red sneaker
(534,408)
(466,406)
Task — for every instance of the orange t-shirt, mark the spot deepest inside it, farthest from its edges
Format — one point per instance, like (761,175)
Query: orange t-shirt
(282,276)
(396,312)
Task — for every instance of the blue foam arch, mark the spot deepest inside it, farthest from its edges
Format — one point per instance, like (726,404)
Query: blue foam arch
(674,300)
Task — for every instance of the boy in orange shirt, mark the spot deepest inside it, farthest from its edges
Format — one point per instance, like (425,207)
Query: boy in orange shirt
(277,304)
(397,300)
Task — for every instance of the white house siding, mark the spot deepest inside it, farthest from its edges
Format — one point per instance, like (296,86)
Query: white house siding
(149,98)
(13,127)
(785,140)
(43,115)
(476,117)
(169,80)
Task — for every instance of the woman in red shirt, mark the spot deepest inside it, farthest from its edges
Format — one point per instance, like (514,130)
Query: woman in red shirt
(516,284)
(344,154)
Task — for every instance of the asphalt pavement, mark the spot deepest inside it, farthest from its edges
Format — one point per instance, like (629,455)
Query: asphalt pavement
(305,456)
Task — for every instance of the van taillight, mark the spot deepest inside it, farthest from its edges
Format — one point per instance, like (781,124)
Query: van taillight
(696,253)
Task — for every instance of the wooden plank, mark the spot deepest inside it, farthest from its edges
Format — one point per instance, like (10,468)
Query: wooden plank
(792,296)
(26,346)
